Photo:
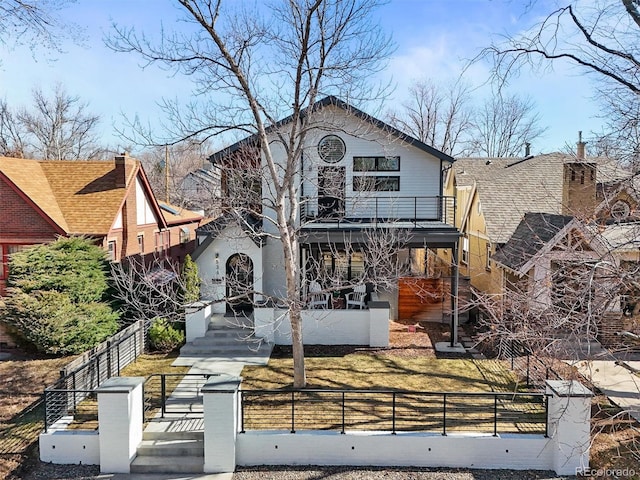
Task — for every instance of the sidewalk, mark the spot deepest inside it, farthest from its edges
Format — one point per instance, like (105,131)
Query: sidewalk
(615,381)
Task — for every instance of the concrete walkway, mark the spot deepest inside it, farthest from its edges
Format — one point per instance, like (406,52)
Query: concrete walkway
(183,400)
(617,381)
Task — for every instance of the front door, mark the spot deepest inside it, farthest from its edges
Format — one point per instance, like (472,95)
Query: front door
(331,185)
(239,282)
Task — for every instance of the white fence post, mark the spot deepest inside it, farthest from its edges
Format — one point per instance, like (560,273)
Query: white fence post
(569,421)
(220,398)
(197,317)
(120,405)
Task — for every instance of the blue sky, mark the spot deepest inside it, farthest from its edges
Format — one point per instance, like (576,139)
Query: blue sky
(435,39)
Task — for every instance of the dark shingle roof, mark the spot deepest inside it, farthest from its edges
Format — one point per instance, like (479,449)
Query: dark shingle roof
(510,187)
(250,224)
(531,235)
(252,140)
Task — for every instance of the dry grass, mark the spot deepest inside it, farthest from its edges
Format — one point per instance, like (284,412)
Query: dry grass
(365,410)
(23,381)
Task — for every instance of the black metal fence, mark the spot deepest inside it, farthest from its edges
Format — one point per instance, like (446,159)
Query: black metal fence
(379,209)
(395,411)
(86,373)
(532,368)
(79,406)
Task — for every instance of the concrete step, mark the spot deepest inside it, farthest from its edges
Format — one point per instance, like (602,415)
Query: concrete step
(227,342)
(169,448)
(149,435)
(168,464)
(215,351)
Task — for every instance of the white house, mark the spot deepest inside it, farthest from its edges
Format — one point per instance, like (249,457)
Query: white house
(359,179)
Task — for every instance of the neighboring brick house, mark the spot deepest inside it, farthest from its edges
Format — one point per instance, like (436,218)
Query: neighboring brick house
(110,202)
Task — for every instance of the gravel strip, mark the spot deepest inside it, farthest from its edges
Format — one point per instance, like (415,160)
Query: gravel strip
(46,471)
(410,473)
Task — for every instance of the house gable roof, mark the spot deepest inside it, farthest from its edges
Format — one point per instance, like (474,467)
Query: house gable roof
(508,188)
(28,177)
(251,225)
(79,196)
(331,100)
(531,236)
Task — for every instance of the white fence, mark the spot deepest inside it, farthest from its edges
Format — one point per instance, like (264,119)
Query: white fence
(565,450)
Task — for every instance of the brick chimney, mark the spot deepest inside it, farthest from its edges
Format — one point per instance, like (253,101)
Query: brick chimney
(579,185)
(580,155)
(120,170)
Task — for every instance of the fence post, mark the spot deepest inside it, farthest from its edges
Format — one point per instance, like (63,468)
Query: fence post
(120,419)
(444,414)
(393,415)
(568,424)
(495,415)
(293,412)
(163,394)
(109,372)
(343,406)
(220,399)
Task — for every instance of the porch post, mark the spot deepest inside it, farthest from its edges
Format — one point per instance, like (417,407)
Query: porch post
(454,292)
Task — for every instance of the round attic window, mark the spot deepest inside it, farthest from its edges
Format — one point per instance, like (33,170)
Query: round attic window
(331,149)
(620,210)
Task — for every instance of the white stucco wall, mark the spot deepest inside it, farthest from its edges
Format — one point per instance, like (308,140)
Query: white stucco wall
(325,327)
(518,452)
(212,271)
(62,446)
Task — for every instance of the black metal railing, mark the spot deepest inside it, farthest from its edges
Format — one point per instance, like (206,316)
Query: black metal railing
(90,370)
(379,209)
(81,406)
(394,411)
(168,393)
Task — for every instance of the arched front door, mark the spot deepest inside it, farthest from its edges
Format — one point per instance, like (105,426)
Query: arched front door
(239,282)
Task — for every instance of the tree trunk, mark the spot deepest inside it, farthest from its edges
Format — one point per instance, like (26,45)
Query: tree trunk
(299,372)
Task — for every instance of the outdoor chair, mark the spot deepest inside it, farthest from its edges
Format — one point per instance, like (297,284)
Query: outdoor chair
(356,298)
(317,299)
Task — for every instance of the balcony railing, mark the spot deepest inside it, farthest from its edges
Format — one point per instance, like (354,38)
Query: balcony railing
(378,209)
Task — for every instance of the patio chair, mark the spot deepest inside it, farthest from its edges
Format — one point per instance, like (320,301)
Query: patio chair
(356,298)
(317,299)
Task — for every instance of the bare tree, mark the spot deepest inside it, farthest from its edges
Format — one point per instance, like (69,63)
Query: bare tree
(269,67)
(149,288)
(33,22)
(503,125)
(12,143)
(53,128)
(168,166)
(440,116)
(598,38)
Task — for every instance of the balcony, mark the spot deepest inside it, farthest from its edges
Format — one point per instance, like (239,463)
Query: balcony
(377,211)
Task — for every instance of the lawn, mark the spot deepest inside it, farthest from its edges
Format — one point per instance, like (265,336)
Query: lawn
(393,392)
(362,371)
